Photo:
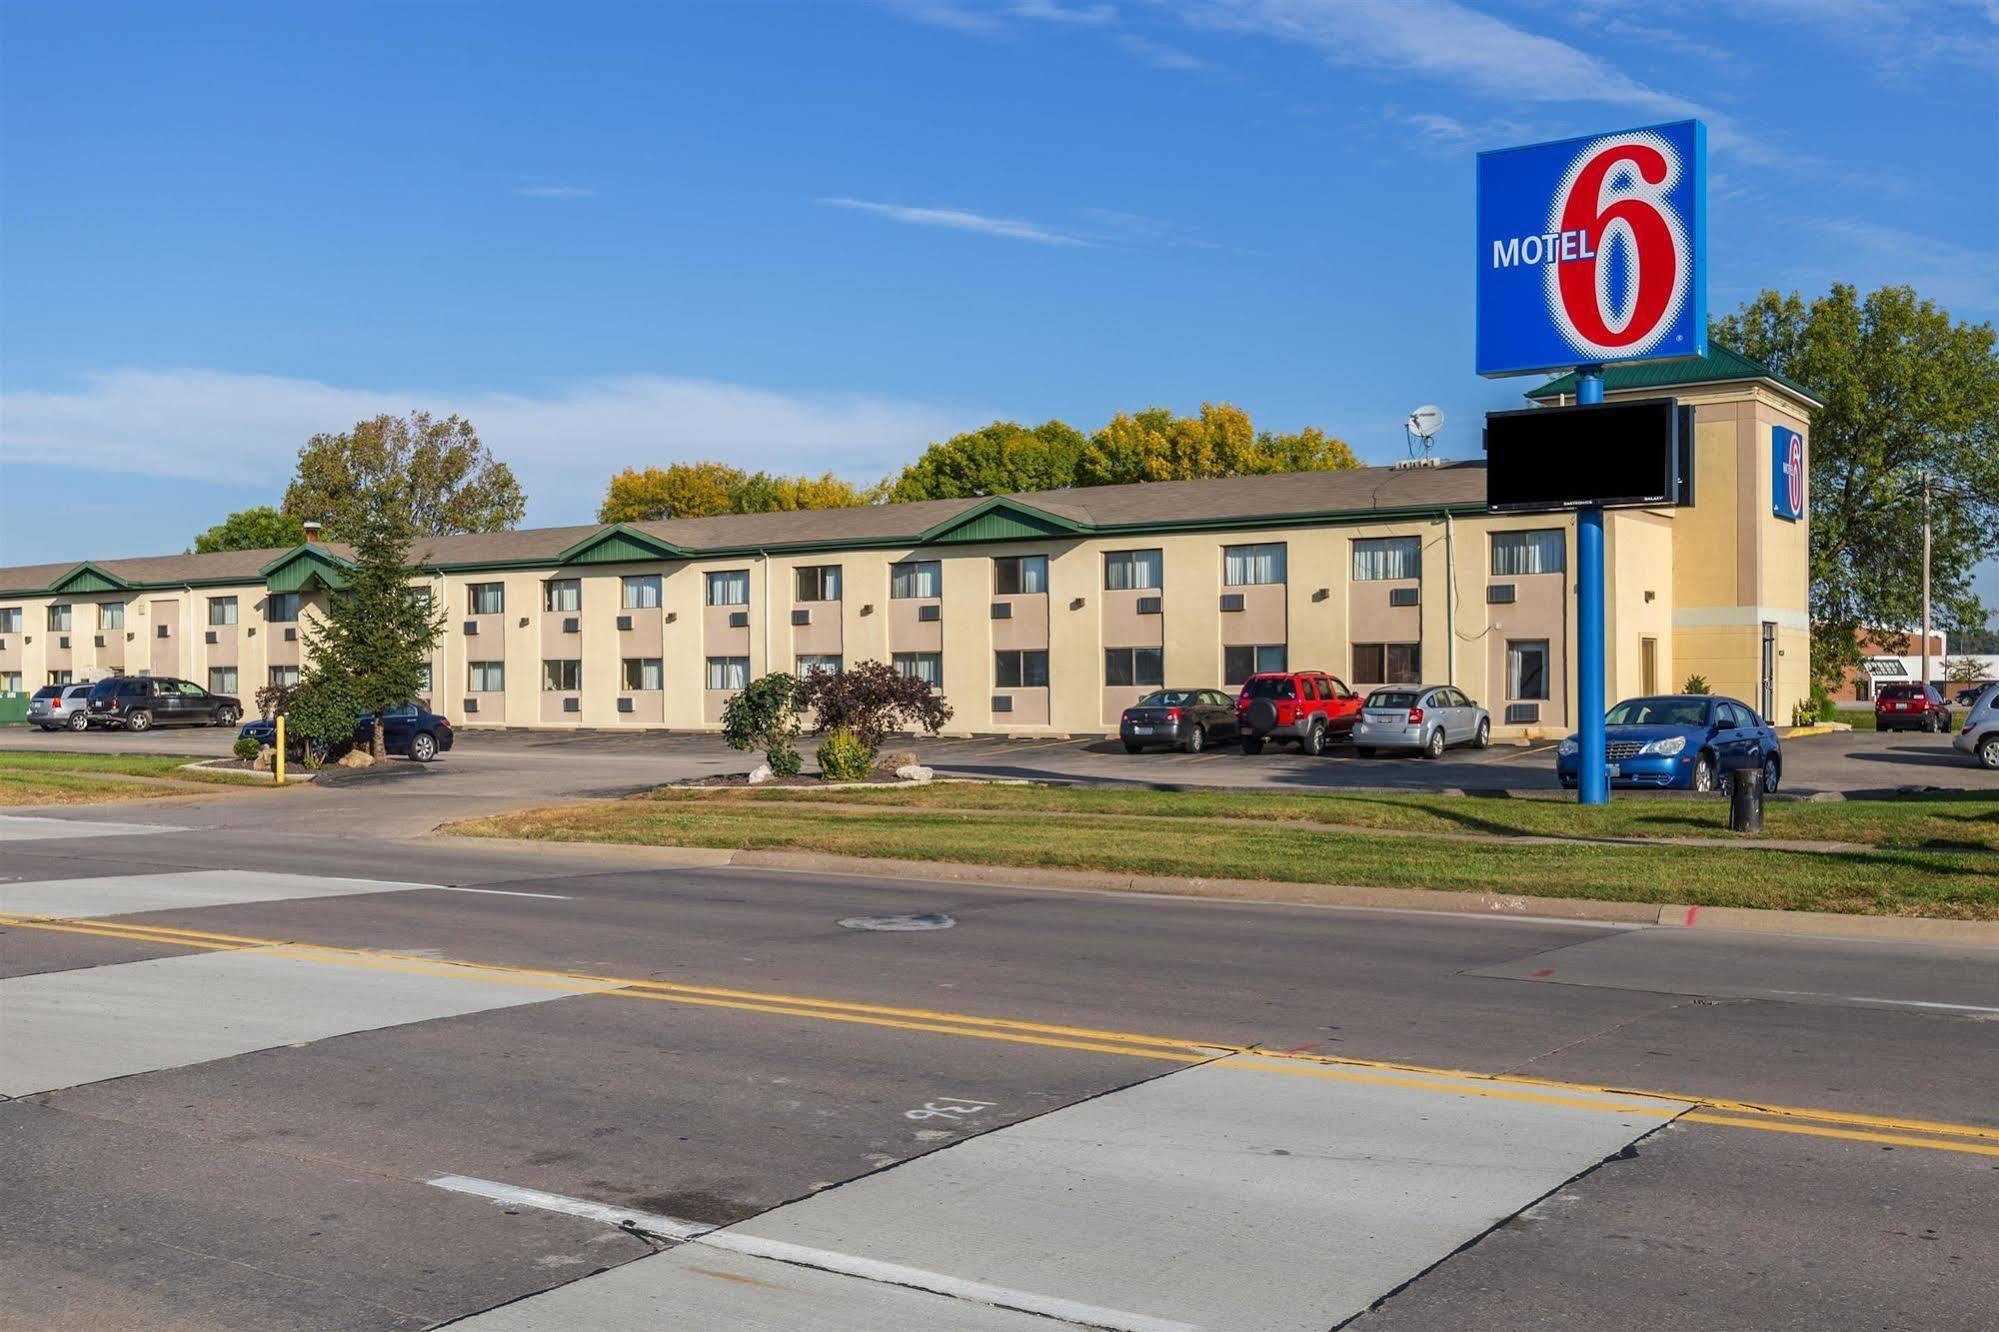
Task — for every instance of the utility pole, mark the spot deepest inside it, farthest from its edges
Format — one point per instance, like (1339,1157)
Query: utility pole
(1926,575)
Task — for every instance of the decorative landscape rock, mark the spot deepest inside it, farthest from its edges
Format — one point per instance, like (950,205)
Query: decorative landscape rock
(760,774)
(266,759)
(913,772)
(356,758)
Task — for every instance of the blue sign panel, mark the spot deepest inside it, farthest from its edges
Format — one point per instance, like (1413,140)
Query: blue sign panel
(1787,473)
(1593,250)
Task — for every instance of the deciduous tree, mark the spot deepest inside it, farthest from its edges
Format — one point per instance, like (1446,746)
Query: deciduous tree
(261,528)
(435,473)
(873,700)
(1004,458)
(378,631)
(704,489)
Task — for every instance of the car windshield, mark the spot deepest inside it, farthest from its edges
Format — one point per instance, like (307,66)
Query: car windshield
(1167,698)
(1658,712)
(104,689)
(1901,691)
(1268,686)
(1391,698)
(49,691)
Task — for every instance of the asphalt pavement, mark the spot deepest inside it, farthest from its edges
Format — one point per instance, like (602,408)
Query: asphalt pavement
(279,1061)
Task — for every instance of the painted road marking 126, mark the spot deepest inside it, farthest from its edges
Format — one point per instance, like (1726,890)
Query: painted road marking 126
(949,1107)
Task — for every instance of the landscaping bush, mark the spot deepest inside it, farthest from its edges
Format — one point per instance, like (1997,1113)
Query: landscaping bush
(245,748)
(1804,712)
(320,722)
(873,700)
(844,757)
(766,715)
(1696,684)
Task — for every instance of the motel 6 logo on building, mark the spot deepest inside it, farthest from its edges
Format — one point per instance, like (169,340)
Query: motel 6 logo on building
(1787,473)
(1593,250)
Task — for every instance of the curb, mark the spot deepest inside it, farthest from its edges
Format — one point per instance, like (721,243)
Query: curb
(1810,924)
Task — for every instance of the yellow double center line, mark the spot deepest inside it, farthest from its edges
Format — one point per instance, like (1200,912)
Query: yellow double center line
(1887,1131)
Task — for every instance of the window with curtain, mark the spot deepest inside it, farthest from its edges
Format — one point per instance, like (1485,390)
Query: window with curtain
(1376,558)
(731,587)
(10,620)
(221,679)
(1527,669)
(1536,552)
(562,595)
(641,674)
(486,598)
(1248,566)
(10,682)
(285,677)
(1132,570)
(925,666)
(728,672)
(562,675)
(1026,668)
(819,582)
(281,607)
(915,578)
(1241,662)
(485,677)
(423,680)
(1140,666)
(1388,663)
(59,619)
(110,615)
(1019,575)
(639,592)
(817,663)
(222,610)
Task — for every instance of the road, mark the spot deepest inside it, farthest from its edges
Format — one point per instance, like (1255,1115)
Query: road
(284,1062)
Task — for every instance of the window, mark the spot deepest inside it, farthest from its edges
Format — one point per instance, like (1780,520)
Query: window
(1388,663)
(925,666)
(1126,570)
(485,677)
(729,588)
(485,598)
(59,619)
(561,675)
(110,615)
(819,582)
(1239,663)
(915,578)
(728,672)
(60,678)
(821,663)
(1537,552)
(222,610)
(642,675)
(10,682)
(421,599)
(562,595)
(639,592)
(1375,558)
(281,607)
(1247,566)
(423,680)
(10,619)
(1527,669)
(284,677)
(1021,669)
(1019,575)
(221,679)
(1134,666)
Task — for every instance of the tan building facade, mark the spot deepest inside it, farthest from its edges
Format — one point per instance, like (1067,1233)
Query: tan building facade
(1035,614)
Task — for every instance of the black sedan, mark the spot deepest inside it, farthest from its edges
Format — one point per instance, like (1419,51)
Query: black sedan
(410,729)
(1181,718)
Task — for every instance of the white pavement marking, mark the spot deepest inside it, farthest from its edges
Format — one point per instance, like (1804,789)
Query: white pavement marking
(19,828)
(124,894)
(496,892)
(65,1028)
(652,1223)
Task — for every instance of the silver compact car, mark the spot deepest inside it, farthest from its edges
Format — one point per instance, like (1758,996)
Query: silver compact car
(1424,719)
(60,707)
(1980,736)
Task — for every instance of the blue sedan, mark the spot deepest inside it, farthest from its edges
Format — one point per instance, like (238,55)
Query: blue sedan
(410,729)
(1681,741)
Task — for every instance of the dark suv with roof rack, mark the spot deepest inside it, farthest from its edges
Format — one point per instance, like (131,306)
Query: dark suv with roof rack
(141,702)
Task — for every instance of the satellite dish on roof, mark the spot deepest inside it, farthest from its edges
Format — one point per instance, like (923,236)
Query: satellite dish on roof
(1420,428)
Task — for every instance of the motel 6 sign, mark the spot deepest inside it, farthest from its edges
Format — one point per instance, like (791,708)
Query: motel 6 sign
(1593,250)
(1787,473)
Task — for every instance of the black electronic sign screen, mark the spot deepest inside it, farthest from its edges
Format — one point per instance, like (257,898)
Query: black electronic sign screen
(1607,454)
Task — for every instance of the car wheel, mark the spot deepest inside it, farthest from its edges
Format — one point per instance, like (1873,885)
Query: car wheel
(1988,752)
(228,717)
(1197,740)
(139,720)
(1433,748)
(1484,737)
(1772,771)
(1929,724)
(1704,773)
(1363,751)
(45,726)
(1252,744)
(79,722)
(423,746)
(1131,748)
(1314,743)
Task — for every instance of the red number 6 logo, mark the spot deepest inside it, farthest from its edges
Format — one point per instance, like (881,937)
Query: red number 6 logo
(1622,295)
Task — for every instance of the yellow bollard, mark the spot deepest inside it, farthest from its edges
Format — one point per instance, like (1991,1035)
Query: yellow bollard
(278,758)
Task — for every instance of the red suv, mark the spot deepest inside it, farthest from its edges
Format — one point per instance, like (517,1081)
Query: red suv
(1910,707)
(1310,707)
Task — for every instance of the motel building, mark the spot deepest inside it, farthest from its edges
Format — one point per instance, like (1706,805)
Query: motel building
(1035,614)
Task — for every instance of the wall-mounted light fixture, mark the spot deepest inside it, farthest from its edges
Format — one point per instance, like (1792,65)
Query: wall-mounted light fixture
(868,609)
(1322,594)
(1649,594)
(1075,603)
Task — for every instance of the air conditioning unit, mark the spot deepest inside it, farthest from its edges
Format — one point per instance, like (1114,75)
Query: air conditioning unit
(291,633)
(739,619)
(63,642)
(1231,601)
(471,705)
(624,705)
(1002,702)
(569,625)
(160,632)
(1148,605)
(208,637)
(1499,594)
(801,616)
(931,613)
(1401,596)
(624,622)
(1002,610)
(572,705)
(99,640)
(471,628)
(1522,713)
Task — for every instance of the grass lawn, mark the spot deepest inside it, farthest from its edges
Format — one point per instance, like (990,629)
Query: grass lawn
(49,788)
(1886,882)
(53,778)
(125,765)
(1935,822)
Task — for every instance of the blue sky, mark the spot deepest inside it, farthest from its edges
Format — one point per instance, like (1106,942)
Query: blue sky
(818,235)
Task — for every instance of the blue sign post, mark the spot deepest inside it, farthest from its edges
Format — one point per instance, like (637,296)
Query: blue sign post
(1592,251)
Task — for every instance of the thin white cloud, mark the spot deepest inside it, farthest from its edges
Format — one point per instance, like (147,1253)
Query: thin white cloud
(959,219)
(1047,11)
(1158,54)
(555,192)
(246,429)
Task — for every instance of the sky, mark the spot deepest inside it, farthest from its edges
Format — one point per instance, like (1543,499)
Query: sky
(820,235)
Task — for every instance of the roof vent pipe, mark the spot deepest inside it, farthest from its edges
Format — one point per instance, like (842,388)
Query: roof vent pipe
(311,531)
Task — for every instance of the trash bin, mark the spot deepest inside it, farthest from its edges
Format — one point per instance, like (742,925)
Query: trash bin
(1745,800)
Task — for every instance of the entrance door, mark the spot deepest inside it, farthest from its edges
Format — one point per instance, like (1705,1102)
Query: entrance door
(1768,705)
(1648,666)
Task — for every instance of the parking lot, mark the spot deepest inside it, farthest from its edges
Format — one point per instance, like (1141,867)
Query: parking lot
(557,763)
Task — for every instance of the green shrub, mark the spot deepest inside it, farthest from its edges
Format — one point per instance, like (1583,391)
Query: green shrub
(764,715)
(1804,712)
(245,748)
(1822,704)
(785,762)
(320,723)
(1696,684)
(844,758)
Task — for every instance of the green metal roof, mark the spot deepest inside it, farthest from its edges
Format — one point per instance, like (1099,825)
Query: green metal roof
(1720,365)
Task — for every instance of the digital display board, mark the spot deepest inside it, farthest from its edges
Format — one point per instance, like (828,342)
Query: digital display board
(1617,454)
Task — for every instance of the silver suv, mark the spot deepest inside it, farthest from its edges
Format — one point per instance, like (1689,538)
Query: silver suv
(55,707)
(1980,736)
